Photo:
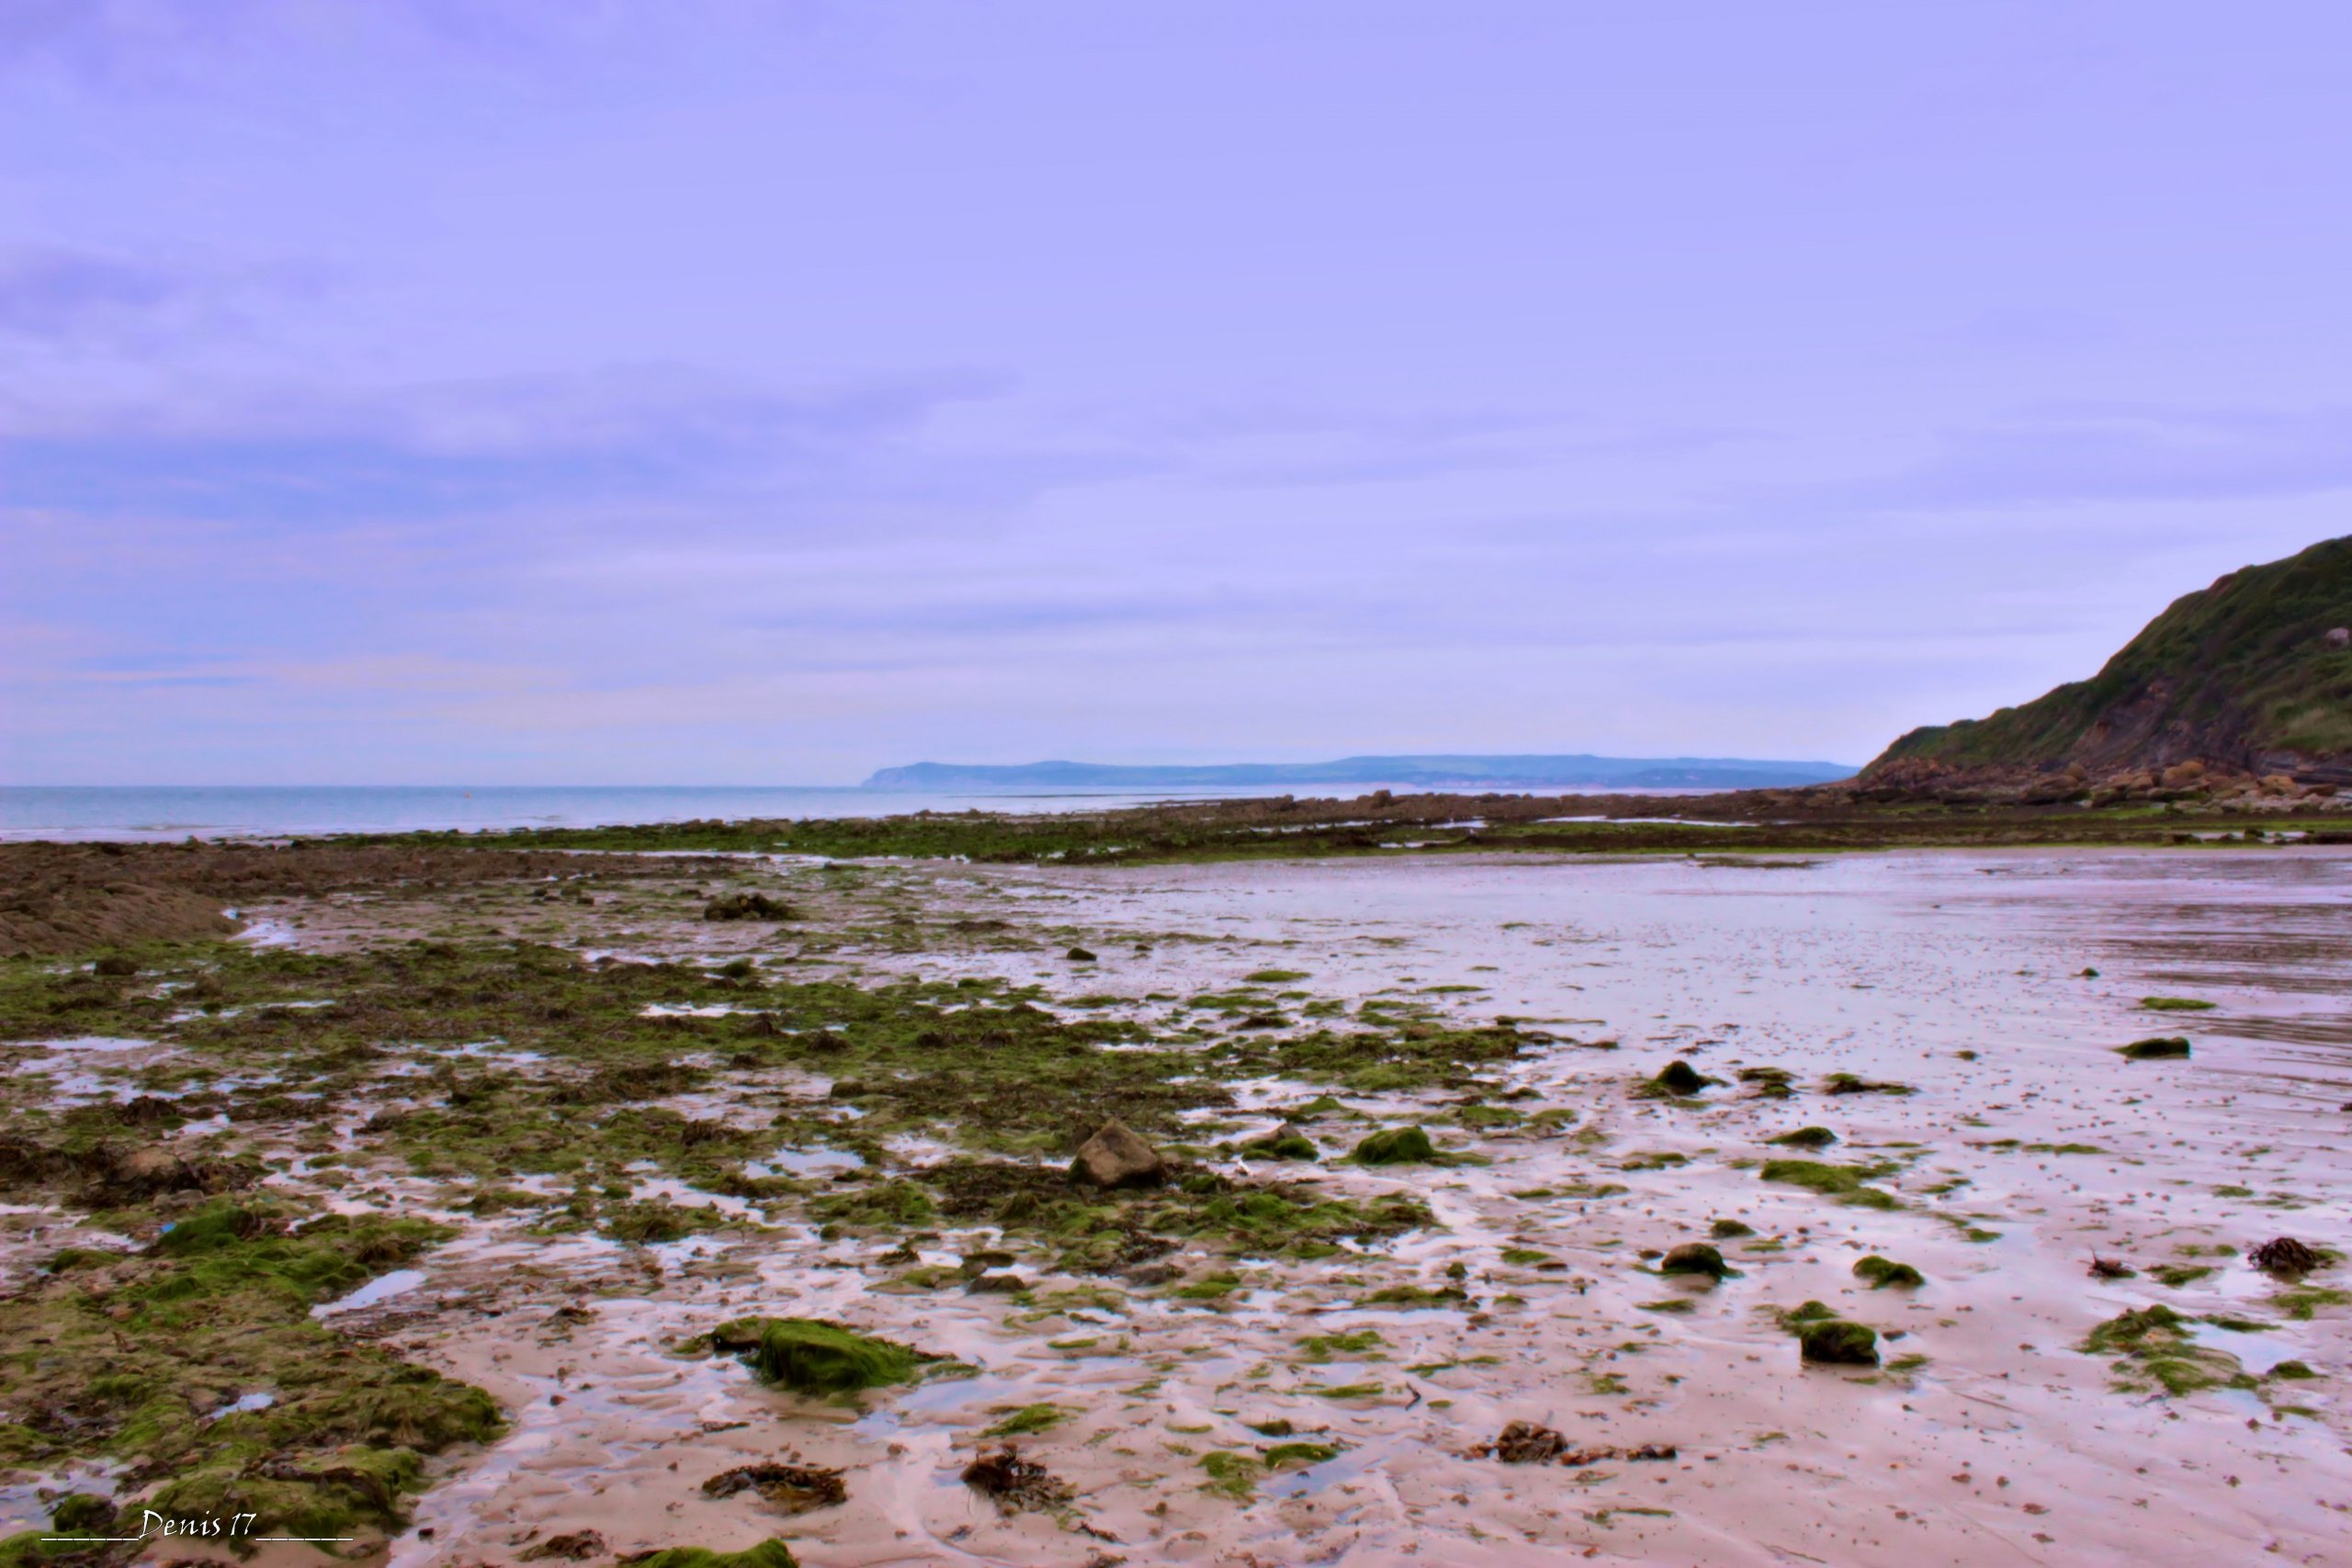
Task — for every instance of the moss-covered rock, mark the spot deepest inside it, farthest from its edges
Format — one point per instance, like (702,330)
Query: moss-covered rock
(2155,1049)
(1883,1272)
(1677,1079)
(1696,1258)
(1805,1138)
(1833,1341)
(1396,1145)
(1283,1142)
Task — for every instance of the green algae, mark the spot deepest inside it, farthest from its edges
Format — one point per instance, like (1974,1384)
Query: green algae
(2303,1302)
(1396,1145)
(2157,1049)
(1027,1421)
(1284,1142)
(1298,1456)
(1884,1273)
(1845,1183)
(811,1356)
(766,1554)
(146,1364)
(1805,1138)
(2154,1349)
(1835,1342)
(1232,1473)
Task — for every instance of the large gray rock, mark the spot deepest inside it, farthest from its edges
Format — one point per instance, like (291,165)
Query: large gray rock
(1118,1156)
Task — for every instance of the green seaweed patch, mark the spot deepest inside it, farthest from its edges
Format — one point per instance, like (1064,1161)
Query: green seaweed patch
(2304,1301)
(1884,1273)
(1299,1455)
(1275,976)
(812,1356)
(2176,1004)
(1804,1138)
(766,1554)
(658,1220)
(1283,1142)
(1414,1298)
(1396,1146)
(150,1365)
(1846,1183)
(2153,1348)
(1232,1473)
(1366,1342)
(1025,1421)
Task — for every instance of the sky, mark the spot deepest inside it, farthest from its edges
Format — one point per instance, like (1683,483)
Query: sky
(718,391)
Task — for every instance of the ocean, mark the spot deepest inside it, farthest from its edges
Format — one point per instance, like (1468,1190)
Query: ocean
(141,812)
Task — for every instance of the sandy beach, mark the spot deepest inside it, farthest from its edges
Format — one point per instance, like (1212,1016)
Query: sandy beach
(1226,1402)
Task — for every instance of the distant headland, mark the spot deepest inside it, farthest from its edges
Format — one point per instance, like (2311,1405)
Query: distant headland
(1440,771)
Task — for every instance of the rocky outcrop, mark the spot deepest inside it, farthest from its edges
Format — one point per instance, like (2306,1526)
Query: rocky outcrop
(2240,689)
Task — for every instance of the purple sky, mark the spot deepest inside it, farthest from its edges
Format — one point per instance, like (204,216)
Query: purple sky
(696,390)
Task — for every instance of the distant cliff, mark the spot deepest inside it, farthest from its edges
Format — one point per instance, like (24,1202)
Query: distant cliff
(2250,678)
(1419,772)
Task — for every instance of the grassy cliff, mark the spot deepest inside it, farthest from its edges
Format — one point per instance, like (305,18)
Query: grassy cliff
(2239,676)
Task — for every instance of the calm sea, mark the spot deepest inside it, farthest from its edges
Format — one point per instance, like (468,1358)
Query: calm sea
(134,812)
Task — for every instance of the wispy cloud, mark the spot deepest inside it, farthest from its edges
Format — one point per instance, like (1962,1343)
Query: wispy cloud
(2069,456)
(306,455)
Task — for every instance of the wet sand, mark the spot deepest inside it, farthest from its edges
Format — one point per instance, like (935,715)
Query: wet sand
(2025,1148)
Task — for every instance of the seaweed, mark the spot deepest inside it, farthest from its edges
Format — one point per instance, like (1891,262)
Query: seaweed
(1883,1272)
(811,1356)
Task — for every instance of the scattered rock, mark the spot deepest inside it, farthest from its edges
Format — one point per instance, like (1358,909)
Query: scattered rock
(1696,1258)
(574,1546)
(1724,1230)
(2285,1254)
(1079,956)
(1014,1482)
(1524,1443)
(1835,1342)
(115,966)
(1116,1156)
(999,1284)
(1396,1145)
(2110,1268)
(1806,1138)
(1883,1272)
(793,1488)
(1679,1077)
(1854,1083)
(2155,1049)
(748,907)
(1284,1142)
